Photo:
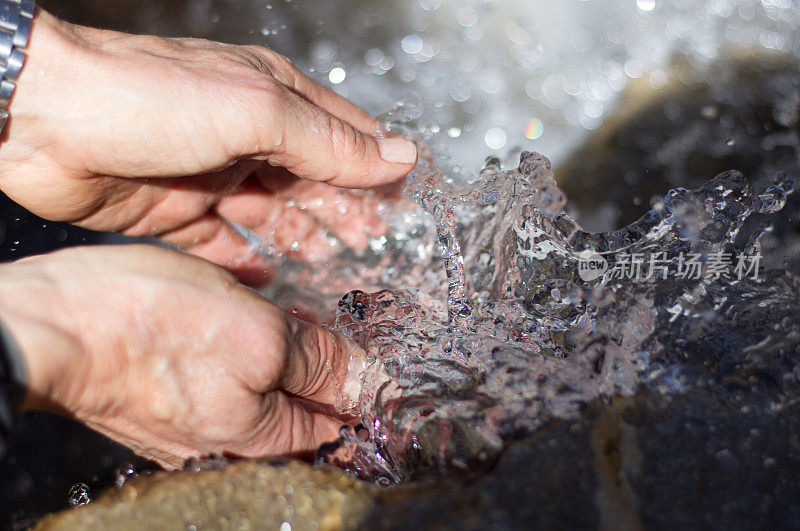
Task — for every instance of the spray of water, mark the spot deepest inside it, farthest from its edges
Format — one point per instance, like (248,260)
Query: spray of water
(521,334)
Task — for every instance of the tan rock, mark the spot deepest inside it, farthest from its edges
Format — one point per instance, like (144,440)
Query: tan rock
(244,495)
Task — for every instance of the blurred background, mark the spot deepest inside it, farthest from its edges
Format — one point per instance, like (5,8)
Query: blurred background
(627,97)
(495,74)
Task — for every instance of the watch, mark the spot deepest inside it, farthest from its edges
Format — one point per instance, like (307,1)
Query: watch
(16,18)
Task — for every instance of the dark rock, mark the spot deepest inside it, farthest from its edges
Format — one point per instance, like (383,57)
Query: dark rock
(740,114)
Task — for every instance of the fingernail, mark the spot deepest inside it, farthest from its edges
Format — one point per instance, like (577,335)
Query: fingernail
(398,150)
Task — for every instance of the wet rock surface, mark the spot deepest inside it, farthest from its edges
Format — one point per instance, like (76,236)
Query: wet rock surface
(653,461)
(244,495)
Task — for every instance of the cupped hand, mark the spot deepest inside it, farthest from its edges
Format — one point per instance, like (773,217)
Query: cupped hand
(177,138)
(171,356)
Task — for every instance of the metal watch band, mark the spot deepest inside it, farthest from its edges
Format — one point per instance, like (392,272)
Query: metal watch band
(16,18)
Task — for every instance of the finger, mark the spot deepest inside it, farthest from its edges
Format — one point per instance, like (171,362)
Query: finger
(349,215)
(287,427)
(277,229)
(280,227)
(290,428)
(153,206)
(321,366)
(354,220)
(213,239)
(284,71)
(315,145)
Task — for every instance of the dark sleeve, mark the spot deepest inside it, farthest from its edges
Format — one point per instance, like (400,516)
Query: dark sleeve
(13,380)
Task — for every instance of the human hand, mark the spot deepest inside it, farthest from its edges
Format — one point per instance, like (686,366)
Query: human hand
(170,356)
(163,137)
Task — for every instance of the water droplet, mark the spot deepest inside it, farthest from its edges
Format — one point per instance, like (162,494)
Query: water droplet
(79,495)
(467,17)
(377,244)
(709,112)
(123,473)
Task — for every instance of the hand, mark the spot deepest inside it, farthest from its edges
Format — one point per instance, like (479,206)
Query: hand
(170,356)
(162,137)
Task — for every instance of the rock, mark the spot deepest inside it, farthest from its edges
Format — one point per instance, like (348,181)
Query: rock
(244,495)
(739,114)
(742,113)
(653,461)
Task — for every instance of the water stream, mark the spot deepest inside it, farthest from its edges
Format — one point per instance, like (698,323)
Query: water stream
(524,330)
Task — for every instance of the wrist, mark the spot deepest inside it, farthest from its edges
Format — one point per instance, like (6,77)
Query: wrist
(52,54)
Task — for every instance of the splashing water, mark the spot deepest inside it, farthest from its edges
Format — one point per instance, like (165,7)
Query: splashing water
(522,336)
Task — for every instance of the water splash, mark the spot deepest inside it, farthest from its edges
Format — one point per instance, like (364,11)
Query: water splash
(519,337)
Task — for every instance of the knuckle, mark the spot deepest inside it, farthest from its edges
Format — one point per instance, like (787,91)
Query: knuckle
(268,62)
(312,369)
(226,279)
(280,66)
(324,369)
(265,124)
(347,141)
(250,56)
(270,95)
(291,332)
(352,149)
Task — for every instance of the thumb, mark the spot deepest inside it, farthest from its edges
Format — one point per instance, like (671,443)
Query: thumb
(322,366)
(315,145)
